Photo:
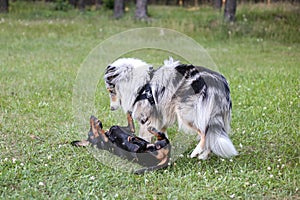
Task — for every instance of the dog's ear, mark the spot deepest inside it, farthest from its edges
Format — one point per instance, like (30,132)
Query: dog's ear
(92,119)
(109,69)
(111,73)
(100,124)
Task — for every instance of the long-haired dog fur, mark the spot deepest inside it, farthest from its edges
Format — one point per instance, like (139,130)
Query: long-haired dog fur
(196,97)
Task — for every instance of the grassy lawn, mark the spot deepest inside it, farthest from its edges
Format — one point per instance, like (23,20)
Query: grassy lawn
(41,51)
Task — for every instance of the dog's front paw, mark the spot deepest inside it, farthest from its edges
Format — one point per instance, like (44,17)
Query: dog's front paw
(201,154)
(197,151)
(81,143)
(204,155)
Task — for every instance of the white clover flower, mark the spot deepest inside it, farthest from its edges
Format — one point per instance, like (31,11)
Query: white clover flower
(241,146)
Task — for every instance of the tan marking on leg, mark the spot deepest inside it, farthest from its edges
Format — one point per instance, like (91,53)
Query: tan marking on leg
(202,136)
(95,127)
(202,141)
(95,131)
(130,122)
(103,135)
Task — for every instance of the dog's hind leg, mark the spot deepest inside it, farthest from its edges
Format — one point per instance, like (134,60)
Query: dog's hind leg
(200,151)
(204,154)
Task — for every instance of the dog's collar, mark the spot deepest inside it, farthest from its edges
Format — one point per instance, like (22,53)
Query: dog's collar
(145,93)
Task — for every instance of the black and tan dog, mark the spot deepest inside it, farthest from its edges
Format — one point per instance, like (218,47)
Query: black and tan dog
(122,142)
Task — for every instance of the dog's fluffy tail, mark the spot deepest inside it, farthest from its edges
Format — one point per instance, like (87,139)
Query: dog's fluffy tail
(218,141)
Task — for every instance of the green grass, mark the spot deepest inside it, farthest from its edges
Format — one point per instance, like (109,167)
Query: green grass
(41,51)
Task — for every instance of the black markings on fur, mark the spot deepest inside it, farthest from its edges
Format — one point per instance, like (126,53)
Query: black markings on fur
(159,92)
(227,91)
(226,86)
(100,124)
(145,93)
(190,71)
(109,69)
(206,129)
(184,70)
(110,78)
(194,72)
(198,85)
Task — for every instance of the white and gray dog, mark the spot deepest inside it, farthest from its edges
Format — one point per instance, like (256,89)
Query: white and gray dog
(198,98)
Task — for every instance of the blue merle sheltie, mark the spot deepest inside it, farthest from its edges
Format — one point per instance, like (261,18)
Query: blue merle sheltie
(196,97)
